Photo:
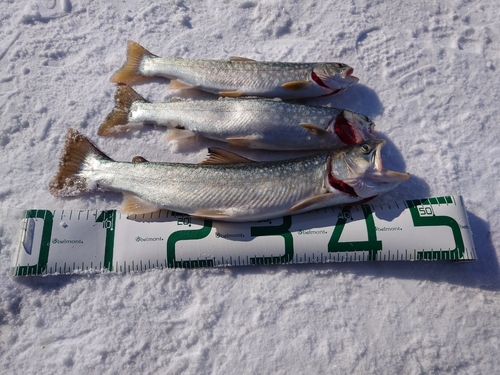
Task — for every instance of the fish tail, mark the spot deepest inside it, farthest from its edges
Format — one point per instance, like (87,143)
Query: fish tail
(117,120)
(77,153)
(129,73)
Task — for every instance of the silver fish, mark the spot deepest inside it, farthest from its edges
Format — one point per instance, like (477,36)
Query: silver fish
(228,186)
(252,123)
(237,76)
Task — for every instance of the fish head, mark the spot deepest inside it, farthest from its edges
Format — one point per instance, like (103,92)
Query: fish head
(333,76)
(352,127)
(357,170)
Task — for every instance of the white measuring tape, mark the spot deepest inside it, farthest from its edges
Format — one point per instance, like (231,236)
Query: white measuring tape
(63,242)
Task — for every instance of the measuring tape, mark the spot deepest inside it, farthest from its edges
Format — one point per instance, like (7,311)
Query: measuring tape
(75,241)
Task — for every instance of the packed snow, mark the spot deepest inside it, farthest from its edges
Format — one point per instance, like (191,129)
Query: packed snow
(428,78)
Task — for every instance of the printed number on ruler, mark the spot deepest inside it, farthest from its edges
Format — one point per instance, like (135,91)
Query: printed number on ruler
(349,229)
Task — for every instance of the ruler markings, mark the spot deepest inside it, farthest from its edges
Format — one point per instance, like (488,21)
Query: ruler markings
(435,228)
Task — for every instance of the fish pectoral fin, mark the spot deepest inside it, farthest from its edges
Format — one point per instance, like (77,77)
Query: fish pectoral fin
(211,214)
(132,204)
(308,202)
(242,142)
(232,94)
(218,156)
(296,85)
(314,129)
(139,159)
(179,85)
(239,58)
(176,134)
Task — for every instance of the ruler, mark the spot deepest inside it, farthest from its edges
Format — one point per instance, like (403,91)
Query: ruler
(75,241)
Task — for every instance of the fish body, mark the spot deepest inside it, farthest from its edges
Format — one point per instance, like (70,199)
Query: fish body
(252,123)
(227,186)
(238,76)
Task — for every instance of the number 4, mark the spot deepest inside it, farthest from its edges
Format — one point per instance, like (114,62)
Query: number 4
(372,245)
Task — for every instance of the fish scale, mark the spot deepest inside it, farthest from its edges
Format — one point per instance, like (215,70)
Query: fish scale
(250,188)
(232,76)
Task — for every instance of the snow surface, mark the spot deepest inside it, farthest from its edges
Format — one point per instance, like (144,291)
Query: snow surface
(428,77)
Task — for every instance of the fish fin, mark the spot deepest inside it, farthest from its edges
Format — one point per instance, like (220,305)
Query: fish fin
(308,202)
(129,72)
(232,94)
(239,58)
(175,84)
(243,142)
(132,204)
(218,156)
(211,214)
(77,149)
(314,129)
(296,85)
(139,159)
(176,134)
(117,120)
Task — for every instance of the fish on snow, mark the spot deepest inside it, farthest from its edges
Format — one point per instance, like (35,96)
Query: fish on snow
(237,76)
(227,186)
(250,123)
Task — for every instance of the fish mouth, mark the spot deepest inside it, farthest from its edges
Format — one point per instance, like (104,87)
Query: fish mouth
(364,176)
(389,177)
(336,82)
(347,74)
(385,175)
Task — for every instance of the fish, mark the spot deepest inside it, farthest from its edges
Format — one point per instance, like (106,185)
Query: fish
(237,76)
(227,186)
(243,123)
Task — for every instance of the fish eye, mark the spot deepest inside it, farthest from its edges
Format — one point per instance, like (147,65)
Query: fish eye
(338,65)
(365,148)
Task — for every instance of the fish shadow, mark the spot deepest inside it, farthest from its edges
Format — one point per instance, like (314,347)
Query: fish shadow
(358,98)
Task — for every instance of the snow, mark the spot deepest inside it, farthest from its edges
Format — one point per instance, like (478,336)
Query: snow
(428,78)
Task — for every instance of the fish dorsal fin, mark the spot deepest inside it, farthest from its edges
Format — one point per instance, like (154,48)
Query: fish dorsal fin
(139,159)
(239,58)
(135,205)
(296,85)
(308,202)
(218,156)
(314,129)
